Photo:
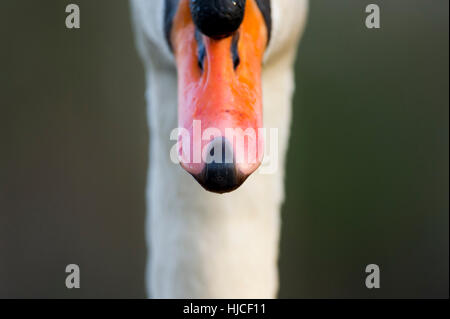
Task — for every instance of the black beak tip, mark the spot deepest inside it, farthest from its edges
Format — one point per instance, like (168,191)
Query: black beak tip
(220,175)
(219,178)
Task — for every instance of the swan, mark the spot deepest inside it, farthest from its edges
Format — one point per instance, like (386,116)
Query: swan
(212,229)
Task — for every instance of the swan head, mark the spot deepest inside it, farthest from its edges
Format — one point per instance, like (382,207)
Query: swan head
(219,47)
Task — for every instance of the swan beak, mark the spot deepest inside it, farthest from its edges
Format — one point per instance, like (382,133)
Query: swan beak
(220,99)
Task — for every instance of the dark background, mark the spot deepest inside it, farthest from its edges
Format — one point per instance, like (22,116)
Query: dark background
(368,165)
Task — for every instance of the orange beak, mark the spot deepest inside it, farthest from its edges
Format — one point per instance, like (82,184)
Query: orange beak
(220,99)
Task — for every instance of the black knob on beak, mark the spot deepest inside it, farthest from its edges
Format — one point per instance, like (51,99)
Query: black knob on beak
(217,18)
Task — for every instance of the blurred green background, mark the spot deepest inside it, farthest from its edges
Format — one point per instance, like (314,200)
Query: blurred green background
(368,165)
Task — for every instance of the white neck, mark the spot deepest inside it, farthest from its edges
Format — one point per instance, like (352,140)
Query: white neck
(204,245)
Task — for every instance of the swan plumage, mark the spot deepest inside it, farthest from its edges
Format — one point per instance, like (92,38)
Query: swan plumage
(201,244)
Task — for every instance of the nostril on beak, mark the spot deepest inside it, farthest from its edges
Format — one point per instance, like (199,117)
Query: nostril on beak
(219,151)
(220,174)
